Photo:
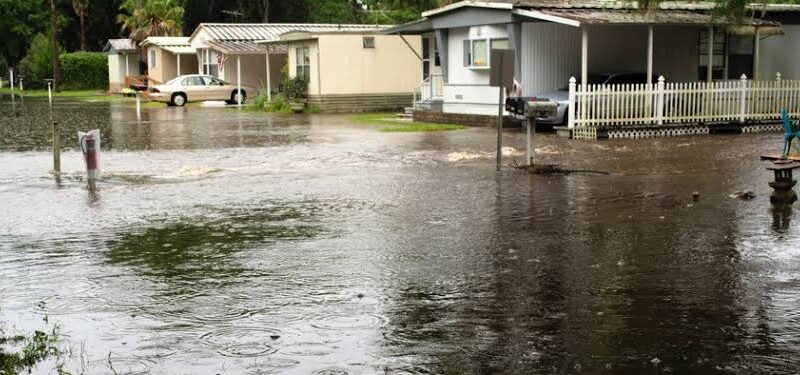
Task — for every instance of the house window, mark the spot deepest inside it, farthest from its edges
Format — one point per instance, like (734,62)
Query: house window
(303,63)
(369,42)
(153,61)
(210,66)
(718,60)
(426,57)
(476,51)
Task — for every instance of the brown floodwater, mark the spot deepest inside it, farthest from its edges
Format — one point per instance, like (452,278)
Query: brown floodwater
(229,242)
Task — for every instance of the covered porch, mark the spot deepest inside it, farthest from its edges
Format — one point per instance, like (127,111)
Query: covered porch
(245,63)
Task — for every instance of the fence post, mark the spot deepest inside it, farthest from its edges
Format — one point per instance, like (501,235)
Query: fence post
(742,93)
(660,101)
(778,76)
(571,105)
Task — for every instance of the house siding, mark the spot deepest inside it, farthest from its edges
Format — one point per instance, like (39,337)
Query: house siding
(779,54)
(551,53)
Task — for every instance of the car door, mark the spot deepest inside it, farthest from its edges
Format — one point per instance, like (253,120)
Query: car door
(217,90)
(195,88)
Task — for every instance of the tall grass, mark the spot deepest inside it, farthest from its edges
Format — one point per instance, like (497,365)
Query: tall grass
(278,104)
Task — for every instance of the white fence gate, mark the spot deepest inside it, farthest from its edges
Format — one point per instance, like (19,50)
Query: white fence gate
(662,103)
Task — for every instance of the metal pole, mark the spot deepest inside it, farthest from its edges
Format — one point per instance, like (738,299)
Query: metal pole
(530,124)
(138,106)
(179,65)
(650,54)
(127,67)
(49,92)
(239,80)
(500,119)
(269,80)
(56,148)
(11,75)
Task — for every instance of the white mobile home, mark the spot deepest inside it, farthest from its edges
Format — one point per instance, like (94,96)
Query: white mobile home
(123,61)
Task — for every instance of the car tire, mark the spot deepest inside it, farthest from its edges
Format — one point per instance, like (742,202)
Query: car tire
(234,97)
(178,100)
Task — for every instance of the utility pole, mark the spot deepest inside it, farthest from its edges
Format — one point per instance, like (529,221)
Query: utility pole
(54,46)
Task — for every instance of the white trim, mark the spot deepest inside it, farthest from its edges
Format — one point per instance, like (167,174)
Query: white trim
(546,17)
(471,4)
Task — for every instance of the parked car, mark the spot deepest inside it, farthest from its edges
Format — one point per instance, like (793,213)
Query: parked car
(561,96)
(197,88)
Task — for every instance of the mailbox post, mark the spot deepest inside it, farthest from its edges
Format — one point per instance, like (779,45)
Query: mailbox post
(501,75)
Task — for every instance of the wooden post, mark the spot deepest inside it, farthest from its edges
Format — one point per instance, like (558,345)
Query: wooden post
(742,94)
(572,104)
(584,57)
(56,148)
(500,120)
(660,101)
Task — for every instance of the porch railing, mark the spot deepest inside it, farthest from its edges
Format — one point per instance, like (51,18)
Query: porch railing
(431,88)
(662,103)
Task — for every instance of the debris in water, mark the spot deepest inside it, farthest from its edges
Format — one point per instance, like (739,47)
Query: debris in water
(274,337)
(696,196)
(655,361)
(745,195)
(360,295)
(550,169)
(620,263)
(548,150)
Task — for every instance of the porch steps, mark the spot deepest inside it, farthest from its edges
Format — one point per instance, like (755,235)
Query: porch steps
(407,114)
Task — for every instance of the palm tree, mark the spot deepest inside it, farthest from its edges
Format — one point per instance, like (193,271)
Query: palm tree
(81,8)
(144,18)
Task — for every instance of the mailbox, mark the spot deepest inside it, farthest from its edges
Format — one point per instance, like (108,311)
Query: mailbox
(531,107)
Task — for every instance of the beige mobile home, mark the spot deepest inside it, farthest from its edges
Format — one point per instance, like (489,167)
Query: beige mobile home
(355,70)
(123,61)
(169,57)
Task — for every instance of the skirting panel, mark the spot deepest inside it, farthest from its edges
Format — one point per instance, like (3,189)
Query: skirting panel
(360,102)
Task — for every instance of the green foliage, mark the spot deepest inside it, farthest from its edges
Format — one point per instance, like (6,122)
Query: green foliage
(278,104)
(84,70)
(36,348)
(296,89)
(144,18)
(38,65)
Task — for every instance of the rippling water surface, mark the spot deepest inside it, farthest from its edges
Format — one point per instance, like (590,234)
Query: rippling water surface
(228,242)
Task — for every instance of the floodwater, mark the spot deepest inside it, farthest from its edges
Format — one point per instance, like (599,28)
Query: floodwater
(223,242)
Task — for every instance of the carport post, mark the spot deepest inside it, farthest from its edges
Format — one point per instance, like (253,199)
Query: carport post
(269,83)
(710,67)
(650,54)
(179,65)
(584,58)
(756,53)
(127,67)
(239,80)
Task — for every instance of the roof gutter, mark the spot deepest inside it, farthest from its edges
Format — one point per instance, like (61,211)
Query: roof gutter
(546,17)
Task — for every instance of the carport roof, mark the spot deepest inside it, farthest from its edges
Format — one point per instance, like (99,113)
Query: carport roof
(634,17)
(245,47)
(271,31)
(178,45)
(120,45)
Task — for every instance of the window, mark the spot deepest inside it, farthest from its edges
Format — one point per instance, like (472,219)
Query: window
(303,63)
(194,81)
(476,51)
(153,61)
(369,42)
(426,57)
(210,62)
(718,60)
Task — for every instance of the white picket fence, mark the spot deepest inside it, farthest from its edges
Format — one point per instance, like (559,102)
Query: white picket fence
(596,106)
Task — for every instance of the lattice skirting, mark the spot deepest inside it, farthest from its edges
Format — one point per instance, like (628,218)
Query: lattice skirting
(762,128)
(658,132)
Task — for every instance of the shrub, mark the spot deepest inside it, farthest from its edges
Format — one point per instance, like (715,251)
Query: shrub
(278,104)
(37,64)
(84,70)
(296,89)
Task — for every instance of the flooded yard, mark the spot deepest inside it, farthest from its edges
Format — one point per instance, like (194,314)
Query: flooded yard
(227,242)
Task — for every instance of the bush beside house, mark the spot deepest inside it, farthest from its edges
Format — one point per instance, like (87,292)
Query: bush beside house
(84,70)
(37,64)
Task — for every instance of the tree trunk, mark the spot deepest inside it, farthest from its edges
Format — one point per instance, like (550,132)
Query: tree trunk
(54,45)
(265,6)
(82,18)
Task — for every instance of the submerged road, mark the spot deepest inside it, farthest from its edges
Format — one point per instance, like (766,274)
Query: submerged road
(230,242)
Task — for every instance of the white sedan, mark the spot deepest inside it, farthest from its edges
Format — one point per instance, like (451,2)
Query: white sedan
(198,88)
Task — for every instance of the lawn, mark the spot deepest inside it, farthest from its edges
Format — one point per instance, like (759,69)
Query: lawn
(388,122)
(89,95)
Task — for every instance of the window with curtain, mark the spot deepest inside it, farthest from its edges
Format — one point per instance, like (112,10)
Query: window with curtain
(303,63)
(210,63)
(477,51)
(153,62)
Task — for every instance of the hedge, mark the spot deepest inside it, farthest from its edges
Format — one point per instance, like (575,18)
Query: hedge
(84,70)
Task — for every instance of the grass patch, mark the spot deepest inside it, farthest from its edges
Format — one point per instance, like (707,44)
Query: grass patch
(389,123)
(93,95)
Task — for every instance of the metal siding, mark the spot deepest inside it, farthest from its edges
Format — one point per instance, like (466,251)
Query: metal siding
(551,54)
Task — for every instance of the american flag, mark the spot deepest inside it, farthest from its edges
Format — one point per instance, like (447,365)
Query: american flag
(220,62)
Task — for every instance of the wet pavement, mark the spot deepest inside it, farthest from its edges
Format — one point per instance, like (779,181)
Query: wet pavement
(229,242)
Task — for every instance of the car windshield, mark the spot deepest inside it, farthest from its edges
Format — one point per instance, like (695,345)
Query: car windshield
(174,81)
(594,79)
